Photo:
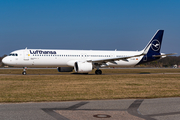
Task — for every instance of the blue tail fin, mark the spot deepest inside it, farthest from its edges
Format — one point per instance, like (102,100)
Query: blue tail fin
(155,42)
(153,48)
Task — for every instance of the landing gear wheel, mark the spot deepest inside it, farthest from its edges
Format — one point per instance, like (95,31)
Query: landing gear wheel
(98,72)
(24,72)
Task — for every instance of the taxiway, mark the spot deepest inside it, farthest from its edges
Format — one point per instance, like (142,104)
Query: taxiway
(124,109)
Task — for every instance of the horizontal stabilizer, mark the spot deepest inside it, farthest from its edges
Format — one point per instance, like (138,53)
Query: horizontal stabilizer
(164,55)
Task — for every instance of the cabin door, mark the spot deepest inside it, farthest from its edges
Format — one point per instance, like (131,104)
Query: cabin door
(26,54)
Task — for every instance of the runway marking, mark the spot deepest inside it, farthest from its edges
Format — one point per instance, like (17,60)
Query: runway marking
(133,110)
(54,114)
(51,111)
(63,113)
(77,105)
(163,114)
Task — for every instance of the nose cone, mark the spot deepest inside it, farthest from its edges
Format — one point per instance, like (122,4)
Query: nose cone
(5,60)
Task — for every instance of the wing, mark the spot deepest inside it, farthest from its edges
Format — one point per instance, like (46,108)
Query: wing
(114,59)
(143,52)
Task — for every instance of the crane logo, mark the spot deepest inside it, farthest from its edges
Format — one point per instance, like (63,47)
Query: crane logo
(155,45)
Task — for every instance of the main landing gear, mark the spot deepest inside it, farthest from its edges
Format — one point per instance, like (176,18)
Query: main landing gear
(98,72)
(24,71)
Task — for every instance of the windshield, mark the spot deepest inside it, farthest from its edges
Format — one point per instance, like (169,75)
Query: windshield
(13,54)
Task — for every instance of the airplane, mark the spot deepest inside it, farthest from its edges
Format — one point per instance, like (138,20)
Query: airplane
(84,61)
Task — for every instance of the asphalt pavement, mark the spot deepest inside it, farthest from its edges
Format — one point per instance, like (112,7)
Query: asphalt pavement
(123,109)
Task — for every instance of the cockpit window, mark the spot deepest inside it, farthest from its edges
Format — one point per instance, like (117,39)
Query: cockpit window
(13,54)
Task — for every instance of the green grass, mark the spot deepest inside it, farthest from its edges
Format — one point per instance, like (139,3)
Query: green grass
(37,86)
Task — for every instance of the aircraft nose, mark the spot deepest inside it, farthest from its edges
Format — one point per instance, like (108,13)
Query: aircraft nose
(5,60)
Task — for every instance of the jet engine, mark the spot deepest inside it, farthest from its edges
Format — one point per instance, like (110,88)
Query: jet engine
(83,67)
(65,69)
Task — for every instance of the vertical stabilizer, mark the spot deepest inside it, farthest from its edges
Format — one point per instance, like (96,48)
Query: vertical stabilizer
(155,42)
(153,48)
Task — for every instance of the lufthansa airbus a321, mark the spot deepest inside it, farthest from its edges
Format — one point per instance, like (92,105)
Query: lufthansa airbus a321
(84,61)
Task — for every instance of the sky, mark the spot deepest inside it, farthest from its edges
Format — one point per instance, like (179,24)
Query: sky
(88,24)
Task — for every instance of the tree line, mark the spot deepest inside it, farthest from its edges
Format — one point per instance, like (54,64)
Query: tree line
(1,64)
(168,61)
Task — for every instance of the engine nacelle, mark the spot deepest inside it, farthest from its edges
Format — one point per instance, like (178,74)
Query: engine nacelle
(83,67)
(65,69)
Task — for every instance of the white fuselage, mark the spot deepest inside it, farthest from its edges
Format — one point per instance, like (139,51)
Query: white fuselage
(67,58)
(84,61)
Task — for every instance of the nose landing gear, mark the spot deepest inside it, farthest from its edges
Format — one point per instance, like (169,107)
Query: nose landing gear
(24,71)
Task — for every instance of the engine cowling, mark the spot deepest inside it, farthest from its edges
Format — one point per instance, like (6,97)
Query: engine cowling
(83,67)
(65,69)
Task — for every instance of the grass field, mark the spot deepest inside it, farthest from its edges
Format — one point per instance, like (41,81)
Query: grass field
(50,85)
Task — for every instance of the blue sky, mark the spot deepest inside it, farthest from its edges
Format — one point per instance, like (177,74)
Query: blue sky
(88,24)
